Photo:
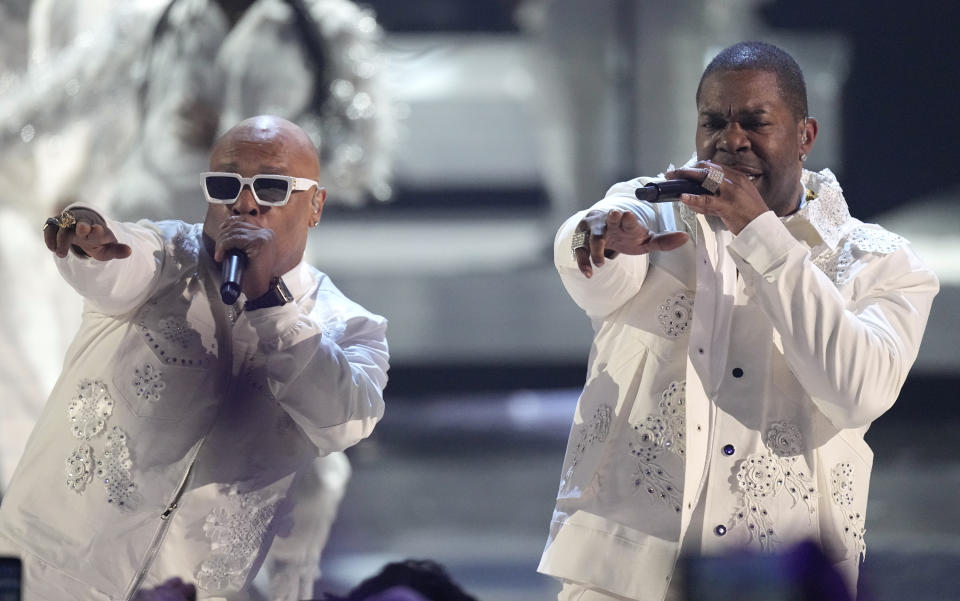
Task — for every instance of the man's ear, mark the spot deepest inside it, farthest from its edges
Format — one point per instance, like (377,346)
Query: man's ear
(319,199)
(808,134)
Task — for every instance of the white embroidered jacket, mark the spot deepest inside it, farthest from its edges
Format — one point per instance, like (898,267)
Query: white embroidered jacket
(736,372)
(170,442)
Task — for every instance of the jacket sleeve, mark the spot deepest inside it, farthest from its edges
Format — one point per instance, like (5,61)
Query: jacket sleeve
(120,285)
(333,389)
(851,356)
(618,279)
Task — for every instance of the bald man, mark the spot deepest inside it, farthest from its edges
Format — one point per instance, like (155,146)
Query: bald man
(170,443)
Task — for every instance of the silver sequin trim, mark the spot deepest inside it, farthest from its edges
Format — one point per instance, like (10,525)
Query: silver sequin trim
(114,470)
(90,410)
(675,314)
(79,468)
(841,483)
(236,532)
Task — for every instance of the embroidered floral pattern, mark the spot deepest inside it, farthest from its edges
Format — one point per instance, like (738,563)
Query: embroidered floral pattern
(675,314)
(235,532)
(659,433)
(762,476)
(784,439)
(593,432)
(90,410)
(79,468)
(841,483)
(148,382)
(114,470)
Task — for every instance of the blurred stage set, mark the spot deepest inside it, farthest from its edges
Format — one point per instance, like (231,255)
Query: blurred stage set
(515,115)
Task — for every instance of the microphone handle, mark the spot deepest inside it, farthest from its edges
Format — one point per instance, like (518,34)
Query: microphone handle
(668,190)
(231,272)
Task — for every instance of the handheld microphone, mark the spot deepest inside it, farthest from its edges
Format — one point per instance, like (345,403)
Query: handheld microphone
(669,190)
(231,271)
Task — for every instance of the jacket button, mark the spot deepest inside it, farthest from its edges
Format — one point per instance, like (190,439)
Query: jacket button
(720,530)
(728,449)
(737,372)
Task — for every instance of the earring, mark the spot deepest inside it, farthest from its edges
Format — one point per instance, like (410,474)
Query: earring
(803,156)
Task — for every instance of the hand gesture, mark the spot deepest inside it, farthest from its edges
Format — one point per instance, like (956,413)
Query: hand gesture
(86,232)
(736,200)
(258,244)
(607,233)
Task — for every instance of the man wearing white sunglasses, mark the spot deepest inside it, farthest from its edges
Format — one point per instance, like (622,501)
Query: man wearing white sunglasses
(170,444)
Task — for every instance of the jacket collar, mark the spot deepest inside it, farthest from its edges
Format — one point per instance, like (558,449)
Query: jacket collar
(823,216)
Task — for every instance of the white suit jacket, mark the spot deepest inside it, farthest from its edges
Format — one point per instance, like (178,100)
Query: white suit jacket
(172,438)
(737,374)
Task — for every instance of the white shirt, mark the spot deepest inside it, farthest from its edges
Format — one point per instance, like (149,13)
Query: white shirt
(173,436)
(738,373)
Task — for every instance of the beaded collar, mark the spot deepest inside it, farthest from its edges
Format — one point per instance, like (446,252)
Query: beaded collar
(825,208)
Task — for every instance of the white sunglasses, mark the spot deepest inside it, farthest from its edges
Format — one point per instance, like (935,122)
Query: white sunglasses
(268,190)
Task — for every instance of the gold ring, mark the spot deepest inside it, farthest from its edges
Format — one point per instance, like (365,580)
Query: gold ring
(66,220)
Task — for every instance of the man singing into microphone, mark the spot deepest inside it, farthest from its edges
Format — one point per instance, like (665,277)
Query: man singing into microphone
(745,339)
(175,432)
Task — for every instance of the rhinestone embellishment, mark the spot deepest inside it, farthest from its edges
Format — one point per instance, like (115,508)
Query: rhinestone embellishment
(176,331)
(148,382)
(79,468)
(842,494)
(114,469)
(90,410)
(784,439)
(772,473)
(675,314)
(658,433)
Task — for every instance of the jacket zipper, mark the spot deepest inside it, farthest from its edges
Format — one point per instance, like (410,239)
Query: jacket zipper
(154,547)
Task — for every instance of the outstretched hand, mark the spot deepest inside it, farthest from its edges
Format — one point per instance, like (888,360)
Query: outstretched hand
(89,235)
(612,232)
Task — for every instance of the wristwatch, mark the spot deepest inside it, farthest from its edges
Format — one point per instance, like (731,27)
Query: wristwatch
(275,296)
